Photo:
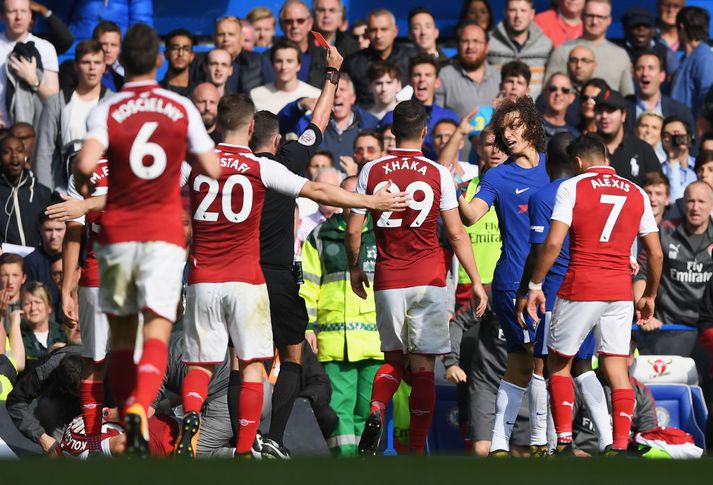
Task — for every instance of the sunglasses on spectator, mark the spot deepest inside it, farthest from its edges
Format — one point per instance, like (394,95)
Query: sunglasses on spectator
(584,98)
(298,21)
(370,150)
(564,89)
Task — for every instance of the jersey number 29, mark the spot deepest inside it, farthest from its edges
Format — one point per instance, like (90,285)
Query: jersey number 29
(423,206)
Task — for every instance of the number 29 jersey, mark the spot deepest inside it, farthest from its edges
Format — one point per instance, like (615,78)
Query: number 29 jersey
(408,252)
(146,132)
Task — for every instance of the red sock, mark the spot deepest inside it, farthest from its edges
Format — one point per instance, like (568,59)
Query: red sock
(386,382)
(249,411)
(194,390)
(421,404)
(706,338)
(151,370)
(122,377)
(562,406)
(91,395)
(623,402)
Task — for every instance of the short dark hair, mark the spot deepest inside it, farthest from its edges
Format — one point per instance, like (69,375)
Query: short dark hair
(180,33)
(324,153)
(379,69)
(87,47)
(445,121)
(707,136)
(464,11)
(12,258)
(467,23)
(235,111)
(674,119)
(409,120)
(598,82)
(588,146)
(557,156)
(694,22)
(525,108)
(657,178)
(283,43)
(516,69)
(66,377)
(103,27)
(266,126)
(420,10)
(423,59)
(649,52)
(139,50)
(704,156)
(373,134)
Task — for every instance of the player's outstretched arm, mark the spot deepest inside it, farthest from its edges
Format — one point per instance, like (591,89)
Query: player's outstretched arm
(654,257)
(460,242)
(383,200)
(548,255)
(323,109)
(87,159)
(70,259)
(205,164)
(352,244)
(471,212)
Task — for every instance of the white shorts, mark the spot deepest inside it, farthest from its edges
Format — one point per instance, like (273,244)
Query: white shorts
(573,320)
(413,320)
(216,311)
(138,276)
(93,324)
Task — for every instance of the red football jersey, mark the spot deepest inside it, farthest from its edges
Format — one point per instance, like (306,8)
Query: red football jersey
(147,132)
(408,252)
(226,215)
(605,213)
(92,224)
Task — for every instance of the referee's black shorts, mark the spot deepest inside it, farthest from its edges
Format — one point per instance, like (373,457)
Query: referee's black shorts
(287,308)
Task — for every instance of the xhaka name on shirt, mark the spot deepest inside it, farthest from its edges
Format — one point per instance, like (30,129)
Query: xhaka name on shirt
(404,165)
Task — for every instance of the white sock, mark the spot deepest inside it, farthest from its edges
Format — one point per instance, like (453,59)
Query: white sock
(537,398)
(551,431)
(507,405)
(593,394)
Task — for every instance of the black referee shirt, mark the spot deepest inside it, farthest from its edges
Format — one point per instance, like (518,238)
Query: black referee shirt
(634,158)
(277,226)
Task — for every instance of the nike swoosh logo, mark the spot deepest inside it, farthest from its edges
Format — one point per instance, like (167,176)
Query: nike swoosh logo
(520,191)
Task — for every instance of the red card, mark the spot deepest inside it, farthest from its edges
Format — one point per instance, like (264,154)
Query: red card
(321,40)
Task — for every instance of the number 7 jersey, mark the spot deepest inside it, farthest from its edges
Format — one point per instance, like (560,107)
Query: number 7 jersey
(604,213)
(408,251)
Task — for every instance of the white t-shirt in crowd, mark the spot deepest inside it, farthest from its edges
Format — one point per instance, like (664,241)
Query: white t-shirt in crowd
(74,118)
(269,98)
(42,337)
(49,63)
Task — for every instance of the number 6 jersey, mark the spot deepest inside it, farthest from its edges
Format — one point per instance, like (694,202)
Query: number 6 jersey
(147,132)
(408,252)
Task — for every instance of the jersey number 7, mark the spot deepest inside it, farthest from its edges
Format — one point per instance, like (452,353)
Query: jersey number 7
(617,202)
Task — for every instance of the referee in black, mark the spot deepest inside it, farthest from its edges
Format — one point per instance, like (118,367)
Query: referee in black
(277,247)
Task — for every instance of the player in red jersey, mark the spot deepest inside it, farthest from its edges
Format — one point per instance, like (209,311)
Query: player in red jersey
(227,295)
(409,282)
(603,213)
(146,133)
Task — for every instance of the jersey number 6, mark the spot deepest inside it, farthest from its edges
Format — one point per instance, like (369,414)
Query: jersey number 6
(423,206)
(142,148)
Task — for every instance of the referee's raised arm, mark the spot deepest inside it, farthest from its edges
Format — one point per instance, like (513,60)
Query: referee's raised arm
(323,108)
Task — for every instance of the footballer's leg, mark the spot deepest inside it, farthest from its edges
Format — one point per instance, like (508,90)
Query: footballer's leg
(287,389)
(91,394)
(561,397)
(537,397)
(422,400)
(194,391)
(249,405)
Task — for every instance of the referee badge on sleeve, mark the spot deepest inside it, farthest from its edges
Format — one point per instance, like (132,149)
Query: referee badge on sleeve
(308,138)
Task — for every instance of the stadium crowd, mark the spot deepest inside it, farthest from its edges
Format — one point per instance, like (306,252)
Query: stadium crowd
(324,114)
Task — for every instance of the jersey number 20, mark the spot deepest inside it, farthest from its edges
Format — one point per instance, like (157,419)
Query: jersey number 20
(202,212)
(423,206)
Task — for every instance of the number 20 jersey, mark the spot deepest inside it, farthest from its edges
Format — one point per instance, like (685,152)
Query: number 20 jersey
(226,215)
(408,252)
(146,132)
(604,213)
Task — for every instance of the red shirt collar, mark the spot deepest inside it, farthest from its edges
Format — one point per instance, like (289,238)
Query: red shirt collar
(405,152)
(601,169)
(237,149)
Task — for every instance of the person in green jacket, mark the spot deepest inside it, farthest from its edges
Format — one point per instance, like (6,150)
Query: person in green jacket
(342,329)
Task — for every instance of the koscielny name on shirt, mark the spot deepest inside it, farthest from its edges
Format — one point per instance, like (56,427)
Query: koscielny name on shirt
(143,104)
(405,164)
(606,181)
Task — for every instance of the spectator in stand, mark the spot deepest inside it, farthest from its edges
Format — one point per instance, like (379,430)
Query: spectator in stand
(326,175)
(108,34)
(590,90)
(666,22)
(40,333)
(263,21)
(581,64)
(657,187)
(37,70)
(479,11)
(12,277)
(64,117)
(382,32)
(358,31)
(85,14)
(616,71)
(247,41)
(320,160)
(205,97)
(423,79)
(423,32)
(384,83)
(639,29)
(629,156)
(687,267)
(515,80)
(328,18)
(285,58)
(695,76)
(559,95)
(25,199)
(38,262)
(12,350)
(678,166)
(704,166)
(346,122)
(563,22)
(179,55)
(648,128)
(450,157)
(706,141)
(25,132)
(57,32)
(649,75)
(517,37)
(368,146)
(218,69)
(388,137)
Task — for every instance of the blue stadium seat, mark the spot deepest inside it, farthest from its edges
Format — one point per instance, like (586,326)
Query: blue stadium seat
(675,406)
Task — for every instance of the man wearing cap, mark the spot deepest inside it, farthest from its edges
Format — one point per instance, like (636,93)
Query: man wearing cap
(631,158)
(639,28)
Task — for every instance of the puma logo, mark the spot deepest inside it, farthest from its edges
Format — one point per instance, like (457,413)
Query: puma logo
(630,417)
(569,404)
